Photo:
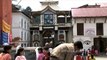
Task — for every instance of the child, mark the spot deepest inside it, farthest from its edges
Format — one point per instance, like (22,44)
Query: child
(20,54)
(78,56)
(41,55)
(88,56)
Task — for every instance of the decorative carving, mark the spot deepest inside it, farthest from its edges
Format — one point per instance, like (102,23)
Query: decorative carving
(90,32)
(87,42)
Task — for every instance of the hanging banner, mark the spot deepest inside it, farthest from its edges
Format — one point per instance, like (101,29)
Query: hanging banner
(5,32)
(0,37)
(5,27)
(4,38)
(9,38)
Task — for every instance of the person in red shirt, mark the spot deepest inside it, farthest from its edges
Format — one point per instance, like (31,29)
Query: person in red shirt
(5,55)
(93,51)
(78,57)
(46,54)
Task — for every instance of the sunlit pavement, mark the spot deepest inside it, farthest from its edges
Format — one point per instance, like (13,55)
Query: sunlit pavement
(101,58)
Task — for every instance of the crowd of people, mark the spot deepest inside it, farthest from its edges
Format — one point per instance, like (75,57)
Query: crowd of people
(6,55)
(85,55)
(64,51)
(70,51)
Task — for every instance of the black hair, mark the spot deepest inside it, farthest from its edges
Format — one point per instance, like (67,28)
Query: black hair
(45,48)
(40,50)
(78,44)
(19,51)
(6,48)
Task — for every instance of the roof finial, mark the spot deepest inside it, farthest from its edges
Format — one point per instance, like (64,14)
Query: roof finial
(48,0)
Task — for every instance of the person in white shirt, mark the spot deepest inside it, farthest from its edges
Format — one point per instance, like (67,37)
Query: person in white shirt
(17,43)
(19,46)
(37,53)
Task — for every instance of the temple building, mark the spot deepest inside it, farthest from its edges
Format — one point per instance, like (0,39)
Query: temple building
(50,24)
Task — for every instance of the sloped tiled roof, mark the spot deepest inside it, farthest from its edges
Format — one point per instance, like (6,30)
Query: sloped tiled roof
(14,8)
(89,12)
(55,7)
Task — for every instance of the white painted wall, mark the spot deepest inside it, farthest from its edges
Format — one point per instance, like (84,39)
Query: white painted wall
(16,20)
(74,29)
(16,32)
(105,29)
(89,27)
(19,26)
(69,36)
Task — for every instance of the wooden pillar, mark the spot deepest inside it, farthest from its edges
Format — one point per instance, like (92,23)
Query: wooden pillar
(56,38)
(6,17)
(41,38)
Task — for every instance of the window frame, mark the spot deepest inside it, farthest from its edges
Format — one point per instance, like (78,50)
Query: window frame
(99,26)
(50,18)
(60,18)
(80,28)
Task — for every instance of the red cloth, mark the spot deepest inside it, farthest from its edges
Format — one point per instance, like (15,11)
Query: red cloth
(46,55)
(78,57)
(92,51)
